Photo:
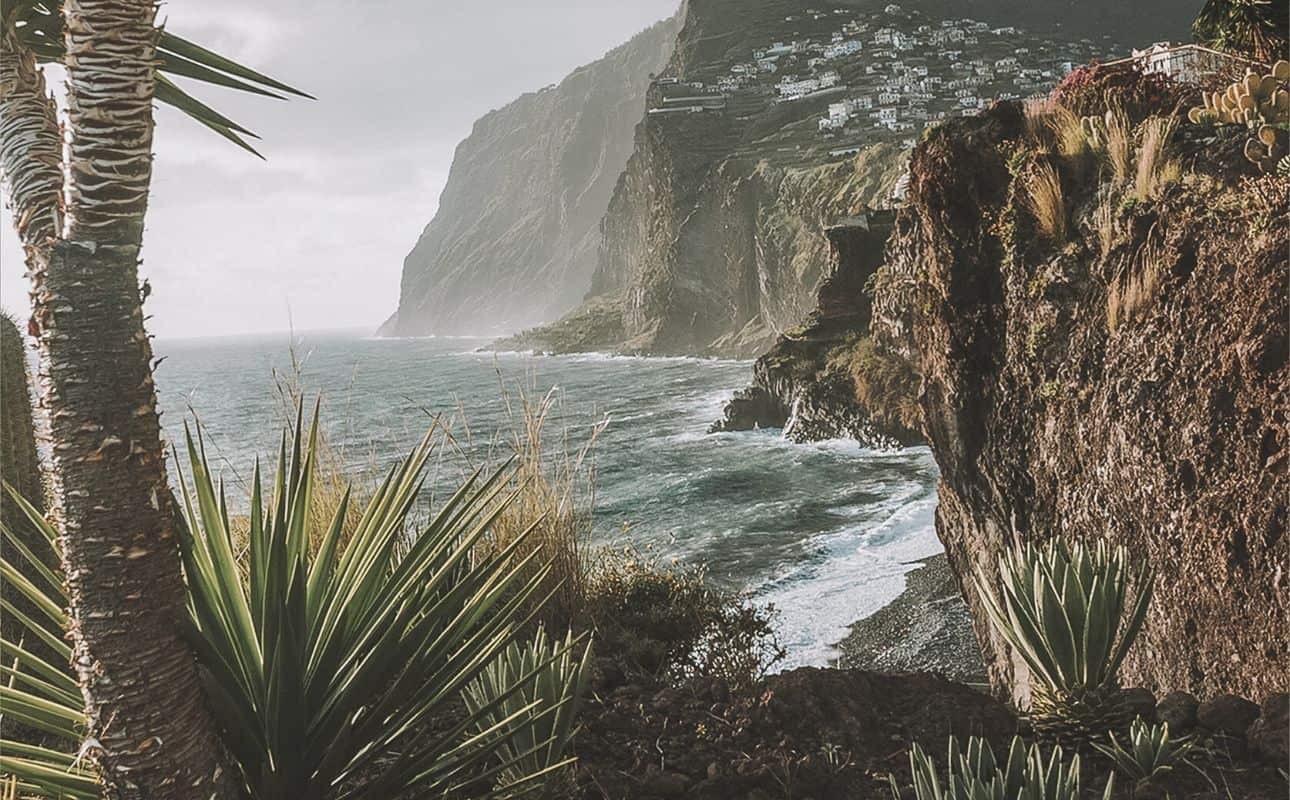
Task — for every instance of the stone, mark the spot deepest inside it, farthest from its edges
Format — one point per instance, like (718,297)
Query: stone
(1227,714)
(1178,711)
(1269,735)
(1142,702)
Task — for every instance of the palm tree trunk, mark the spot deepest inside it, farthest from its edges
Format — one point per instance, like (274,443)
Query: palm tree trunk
(153,736)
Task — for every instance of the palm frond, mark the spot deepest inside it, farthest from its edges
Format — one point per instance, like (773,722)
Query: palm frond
(39,26)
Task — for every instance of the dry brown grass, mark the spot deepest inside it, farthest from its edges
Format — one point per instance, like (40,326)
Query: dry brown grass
(1104,220)
(1137,289)
(1071,141)
(553,493)
(1117,131)
(1047,202)
(1156,166)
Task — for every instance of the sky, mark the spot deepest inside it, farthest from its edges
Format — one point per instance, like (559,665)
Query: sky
(314,236)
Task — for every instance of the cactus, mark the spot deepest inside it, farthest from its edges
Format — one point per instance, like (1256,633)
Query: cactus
(1268,147)
(1252,101)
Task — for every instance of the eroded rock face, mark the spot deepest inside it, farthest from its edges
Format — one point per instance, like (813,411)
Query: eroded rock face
(805,383)
(1131,387)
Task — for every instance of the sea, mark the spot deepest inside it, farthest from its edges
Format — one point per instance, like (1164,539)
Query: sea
(823,532)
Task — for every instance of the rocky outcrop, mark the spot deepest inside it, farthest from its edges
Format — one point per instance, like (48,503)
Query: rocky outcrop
(515,239)
(817,381)
(1129,383)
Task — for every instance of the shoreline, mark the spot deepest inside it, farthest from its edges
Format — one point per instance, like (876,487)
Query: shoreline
(926,628)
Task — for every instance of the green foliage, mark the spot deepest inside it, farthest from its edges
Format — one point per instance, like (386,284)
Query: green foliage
(1068,612)
(326,666)
(37,691)
(39,26)
(885,383)
(539,718)
(974,774)
(672,622)
(1256,28)
(1148,751)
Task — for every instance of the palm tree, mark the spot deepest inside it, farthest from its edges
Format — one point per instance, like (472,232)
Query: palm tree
(79,213)
(1254,28)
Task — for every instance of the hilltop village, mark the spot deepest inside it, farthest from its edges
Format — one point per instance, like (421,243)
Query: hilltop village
(878,78)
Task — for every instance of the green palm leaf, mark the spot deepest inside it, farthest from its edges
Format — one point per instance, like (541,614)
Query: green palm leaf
(39,26)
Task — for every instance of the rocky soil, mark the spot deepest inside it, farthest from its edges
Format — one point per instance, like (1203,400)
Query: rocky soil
(831,734)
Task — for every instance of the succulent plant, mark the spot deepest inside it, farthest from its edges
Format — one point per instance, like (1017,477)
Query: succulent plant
(1068,613)
(1253,100)
(1149,751)
(1268,147)
(972,773)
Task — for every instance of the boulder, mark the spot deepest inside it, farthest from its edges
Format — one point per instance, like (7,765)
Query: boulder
(1227,714)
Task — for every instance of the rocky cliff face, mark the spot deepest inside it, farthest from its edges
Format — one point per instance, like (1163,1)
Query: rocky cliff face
(822,379)
(1127,383)
(515,239)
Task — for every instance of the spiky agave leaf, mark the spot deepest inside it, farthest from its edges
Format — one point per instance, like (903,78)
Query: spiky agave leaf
(36,691)
(1066,610)
(328,661)
(39,26)
(553,677)
(972,773)
(1148,750)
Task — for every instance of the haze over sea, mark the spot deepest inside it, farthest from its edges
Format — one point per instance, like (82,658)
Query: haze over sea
(823,531)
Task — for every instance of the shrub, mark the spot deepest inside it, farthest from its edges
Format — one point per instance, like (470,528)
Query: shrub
(1136,289)
(972,773)
(1093,89)
(1063,610)
(885,384)
(671,622)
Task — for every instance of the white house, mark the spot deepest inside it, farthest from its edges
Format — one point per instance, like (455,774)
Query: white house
(888,98)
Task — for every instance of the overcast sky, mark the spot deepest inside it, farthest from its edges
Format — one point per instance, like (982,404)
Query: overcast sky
(315,236)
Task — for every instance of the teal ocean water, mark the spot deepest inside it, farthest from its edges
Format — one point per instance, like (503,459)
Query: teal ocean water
(823,531)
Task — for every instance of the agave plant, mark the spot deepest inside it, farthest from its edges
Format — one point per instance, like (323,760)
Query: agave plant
(36,692)
(974,774)
(1148,752)
(334,660)
(554,679)
(1068,612)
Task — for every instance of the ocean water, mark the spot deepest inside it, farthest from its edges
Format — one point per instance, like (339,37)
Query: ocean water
(825,532)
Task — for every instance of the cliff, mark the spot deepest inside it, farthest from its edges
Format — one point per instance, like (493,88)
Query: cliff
(714,241)
(515,239)
(825,379)
(1125,379)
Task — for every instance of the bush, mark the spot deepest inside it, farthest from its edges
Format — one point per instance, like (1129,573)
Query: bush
(672,623)
(1093,89)
(885,384)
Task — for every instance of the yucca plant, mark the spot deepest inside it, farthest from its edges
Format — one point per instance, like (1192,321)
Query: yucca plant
(331,672)
(972,773)
(37,690)
(553,677)
(1069,613)
(1148,751)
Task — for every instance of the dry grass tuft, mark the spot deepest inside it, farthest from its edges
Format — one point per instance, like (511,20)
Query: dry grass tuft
(1138,288)
(1071,140)
(1038,113)
(1118,148)
(1047,202)
(554,494)
(1156,166)
(1104,219)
